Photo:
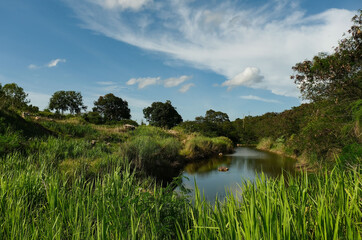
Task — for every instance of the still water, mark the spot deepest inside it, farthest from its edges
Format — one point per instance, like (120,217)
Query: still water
(244,164)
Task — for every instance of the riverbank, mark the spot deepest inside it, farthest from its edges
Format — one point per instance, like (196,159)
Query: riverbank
(303,161)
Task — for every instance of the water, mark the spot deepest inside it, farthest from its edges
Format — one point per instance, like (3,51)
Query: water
(245,164)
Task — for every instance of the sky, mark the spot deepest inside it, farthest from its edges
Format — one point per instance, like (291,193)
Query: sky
(234,56)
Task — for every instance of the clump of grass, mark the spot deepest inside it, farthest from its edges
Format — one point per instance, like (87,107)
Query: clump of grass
(200,147)
(265,144)
(150,153)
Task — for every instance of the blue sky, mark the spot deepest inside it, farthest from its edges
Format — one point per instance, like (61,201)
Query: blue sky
(233,56)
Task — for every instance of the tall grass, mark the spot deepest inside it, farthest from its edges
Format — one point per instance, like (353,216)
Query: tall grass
(324,206)
(200,147)
(71,129)
(39,205)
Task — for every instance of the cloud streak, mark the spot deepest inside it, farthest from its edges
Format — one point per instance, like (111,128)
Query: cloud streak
(256,98)
(54,63)
(148,81)
(186,87)
(51,64)
(122,4)
(226,38)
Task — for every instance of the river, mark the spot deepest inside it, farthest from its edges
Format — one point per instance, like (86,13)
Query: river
(246,163)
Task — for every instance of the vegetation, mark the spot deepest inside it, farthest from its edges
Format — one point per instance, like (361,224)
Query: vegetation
(11,95)
(67,100)
(110,108)
(336,77)
(66,189)
(70,179)
(162,115)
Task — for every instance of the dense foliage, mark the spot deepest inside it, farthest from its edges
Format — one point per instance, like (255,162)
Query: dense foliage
(67,101)
(11,95)
(162,114)
(111,108)
(338,76)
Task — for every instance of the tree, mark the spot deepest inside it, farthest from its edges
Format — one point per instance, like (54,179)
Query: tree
(216,117)
(67,100)
(162,115)
(112,108)
(337,76)
(75,102)
(14,96)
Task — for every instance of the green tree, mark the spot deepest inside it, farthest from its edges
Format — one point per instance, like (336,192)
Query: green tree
(112,108)
(337,76)
(216,117)
(14,96)
(162,114)
(67,100)
(75,102)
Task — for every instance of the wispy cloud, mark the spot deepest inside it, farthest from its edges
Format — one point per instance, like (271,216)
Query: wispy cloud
(106,83)
(144,82)
(148,81)
(51,64)
(33,66)
(227,37)
(175,81)
(186,87)
(54,63)
(256,98)
(122,4)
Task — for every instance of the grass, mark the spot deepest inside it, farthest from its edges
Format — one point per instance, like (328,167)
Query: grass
(323,206)
(68,188)
(200,147)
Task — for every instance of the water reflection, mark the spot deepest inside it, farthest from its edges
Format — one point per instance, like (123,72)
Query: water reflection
(243,165)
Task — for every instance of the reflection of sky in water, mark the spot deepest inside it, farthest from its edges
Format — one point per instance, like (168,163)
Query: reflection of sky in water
(245,164)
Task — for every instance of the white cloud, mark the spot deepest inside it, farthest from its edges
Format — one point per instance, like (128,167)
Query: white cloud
(54,63)
(51,64)
(122,4)
(186,87)
(144,82)
(106,83)
(147,81)
(250,77)
(256,98)
(175,81)
(226,38)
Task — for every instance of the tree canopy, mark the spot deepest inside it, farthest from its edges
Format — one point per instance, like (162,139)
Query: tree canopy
(162,114)
(11,95)
(214,117)
(112,108)
(67,100)
(336,76)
